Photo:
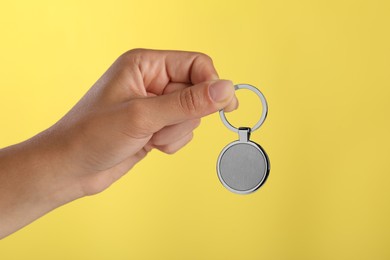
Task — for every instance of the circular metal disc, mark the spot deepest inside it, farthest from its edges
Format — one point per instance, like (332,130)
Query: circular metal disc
(243,167)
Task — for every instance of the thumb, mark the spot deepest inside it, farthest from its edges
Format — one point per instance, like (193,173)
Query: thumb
(189,103)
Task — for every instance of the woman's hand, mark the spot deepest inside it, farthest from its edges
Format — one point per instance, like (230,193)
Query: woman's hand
(147,99)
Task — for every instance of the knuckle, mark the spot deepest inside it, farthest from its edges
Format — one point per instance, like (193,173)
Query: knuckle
(133,52)
(188,101)
(190,137)
(205,68)
(131,57)
(196,123)
(175,147)
(157,139)
(168,149)
(200,56)
(138,123)
(205,58)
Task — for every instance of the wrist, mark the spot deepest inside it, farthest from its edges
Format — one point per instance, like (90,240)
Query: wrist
(33,181)
(53,178)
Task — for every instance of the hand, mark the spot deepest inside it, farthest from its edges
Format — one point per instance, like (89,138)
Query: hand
(147,99)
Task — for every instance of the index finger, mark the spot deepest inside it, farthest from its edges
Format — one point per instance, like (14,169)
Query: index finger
(190,67)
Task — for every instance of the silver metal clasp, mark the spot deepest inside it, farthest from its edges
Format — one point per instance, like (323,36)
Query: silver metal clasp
(244,133)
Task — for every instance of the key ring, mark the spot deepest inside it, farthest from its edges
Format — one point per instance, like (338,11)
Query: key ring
(263,114)
(243,166)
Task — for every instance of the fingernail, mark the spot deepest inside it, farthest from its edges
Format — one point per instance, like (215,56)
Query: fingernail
(220,90)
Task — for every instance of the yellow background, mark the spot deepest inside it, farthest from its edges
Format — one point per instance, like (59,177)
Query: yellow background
(324,68)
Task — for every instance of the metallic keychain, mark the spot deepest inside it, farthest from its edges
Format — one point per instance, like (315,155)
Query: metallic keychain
(243,166)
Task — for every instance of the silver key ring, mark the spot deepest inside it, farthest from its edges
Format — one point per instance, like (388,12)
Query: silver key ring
(263,114)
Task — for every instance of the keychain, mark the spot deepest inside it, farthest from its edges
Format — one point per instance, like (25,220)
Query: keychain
(243,166)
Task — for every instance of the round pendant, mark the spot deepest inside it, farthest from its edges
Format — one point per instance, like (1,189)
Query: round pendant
(243,167)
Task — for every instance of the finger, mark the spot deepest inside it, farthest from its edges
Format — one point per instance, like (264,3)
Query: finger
(189,103)
(175,86)
(173,133)
(174,147)
(158,68)
(146,116)
(233,105)
(190,67)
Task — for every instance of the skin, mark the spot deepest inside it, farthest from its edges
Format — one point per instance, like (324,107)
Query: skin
(146,100)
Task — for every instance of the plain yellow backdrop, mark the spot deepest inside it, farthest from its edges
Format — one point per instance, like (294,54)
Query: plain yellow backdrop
(324,68)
